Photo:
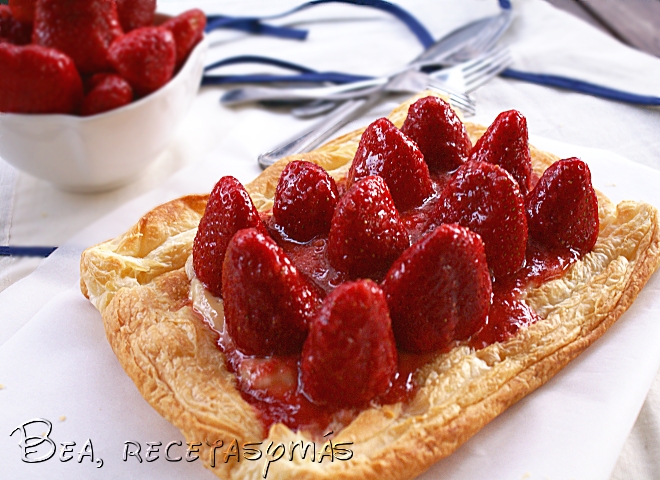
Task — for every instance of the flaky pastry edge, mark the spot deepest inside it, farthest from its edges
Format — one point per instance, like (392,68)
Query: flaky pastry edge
(138,283)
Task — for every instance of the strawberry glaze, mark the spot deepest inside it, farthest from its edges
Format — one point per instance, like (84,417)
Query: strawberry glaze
(271,385)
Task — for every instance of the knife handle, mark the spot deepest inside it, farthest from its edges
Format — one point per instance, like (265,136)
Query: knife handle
(315,135)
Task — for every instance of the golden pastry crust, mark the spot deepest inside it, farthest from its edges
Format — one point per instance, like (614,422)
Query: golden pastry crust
(138,283)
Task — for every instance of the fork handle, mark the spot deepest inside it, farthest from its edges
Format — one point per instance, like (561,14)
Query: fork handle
(315,135)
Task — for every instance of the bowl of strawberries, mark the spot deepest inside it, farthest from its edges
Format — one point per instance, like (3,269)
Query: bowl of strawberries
(91,91)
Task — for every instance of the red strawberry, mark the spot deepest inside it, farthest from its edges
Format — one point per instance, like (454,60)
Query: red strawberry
(366,234)
(145,57)
(505,143)
(188,30)
(108,91)
(439,290)
(268,303)
(13,30)
(388,153)
(228,210)
(349,357)
(562,210)
(486,199)
(23,10)
(305,200)
(135,13)
(36,79)
(439,134)
(83,29)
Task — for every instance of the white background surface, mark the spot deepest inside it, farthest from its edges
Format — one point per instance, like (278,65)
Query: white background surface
(54,360)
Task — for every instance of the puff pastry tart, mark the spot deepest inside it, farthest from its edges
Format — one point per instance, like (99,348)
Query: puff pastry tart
(362,310)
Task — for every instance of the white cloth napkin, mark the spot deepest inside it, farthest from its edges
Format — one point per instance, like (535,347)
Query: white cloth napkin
(55,363)
(7,187)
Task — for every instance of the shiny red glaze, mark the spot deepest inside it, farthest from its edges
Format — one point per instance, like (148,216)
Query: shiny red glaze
(229,209)
(439,133)
(188,30)
(271,385)
(283,401)
(289,406)
(305,200)
(82,29)
(366,234)
(439,290)
(388,153)
(35,79)
(145,57)
(268,303)
(505,143)
(310,257)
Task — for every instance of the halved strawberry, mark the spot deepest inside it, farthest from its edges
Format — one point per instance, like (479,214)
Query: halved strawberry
(505,143)
(366,234)
(439,134)
(305,200)
(188,30)
(562,210)
(486,199)
(439,290)
(349,356)
(229,210)
(268,303)
(388,153)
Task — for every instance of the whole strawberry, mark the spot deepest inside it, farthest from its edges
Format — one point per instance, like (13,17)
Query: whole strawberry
(268,303)
(305,200)
(505,143)
(439,134)
(349,357)
(366,234)
(135,13)
(486,199)
(23,10)
(36,79)
(188,30)
(13,30)
(83,29)
(107,92)
(388,153)
(562,210)
(228,210)
(439,290)
(145,58)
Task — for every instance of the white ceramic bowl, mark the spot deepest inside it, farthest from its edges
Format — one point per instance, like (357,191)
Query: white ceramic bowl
(105,151)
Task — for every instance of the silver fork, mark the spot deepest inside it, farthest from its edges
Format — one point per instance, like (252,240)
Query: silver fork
(465,77)
(491,31)
(470,75)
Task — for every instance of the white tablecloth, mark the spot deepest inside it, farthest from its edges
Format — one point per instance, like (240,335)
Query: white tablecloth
(54,360)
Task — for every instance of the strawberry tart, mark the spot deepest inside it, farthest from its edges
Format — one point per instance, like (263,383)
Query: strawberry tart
(387,294)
